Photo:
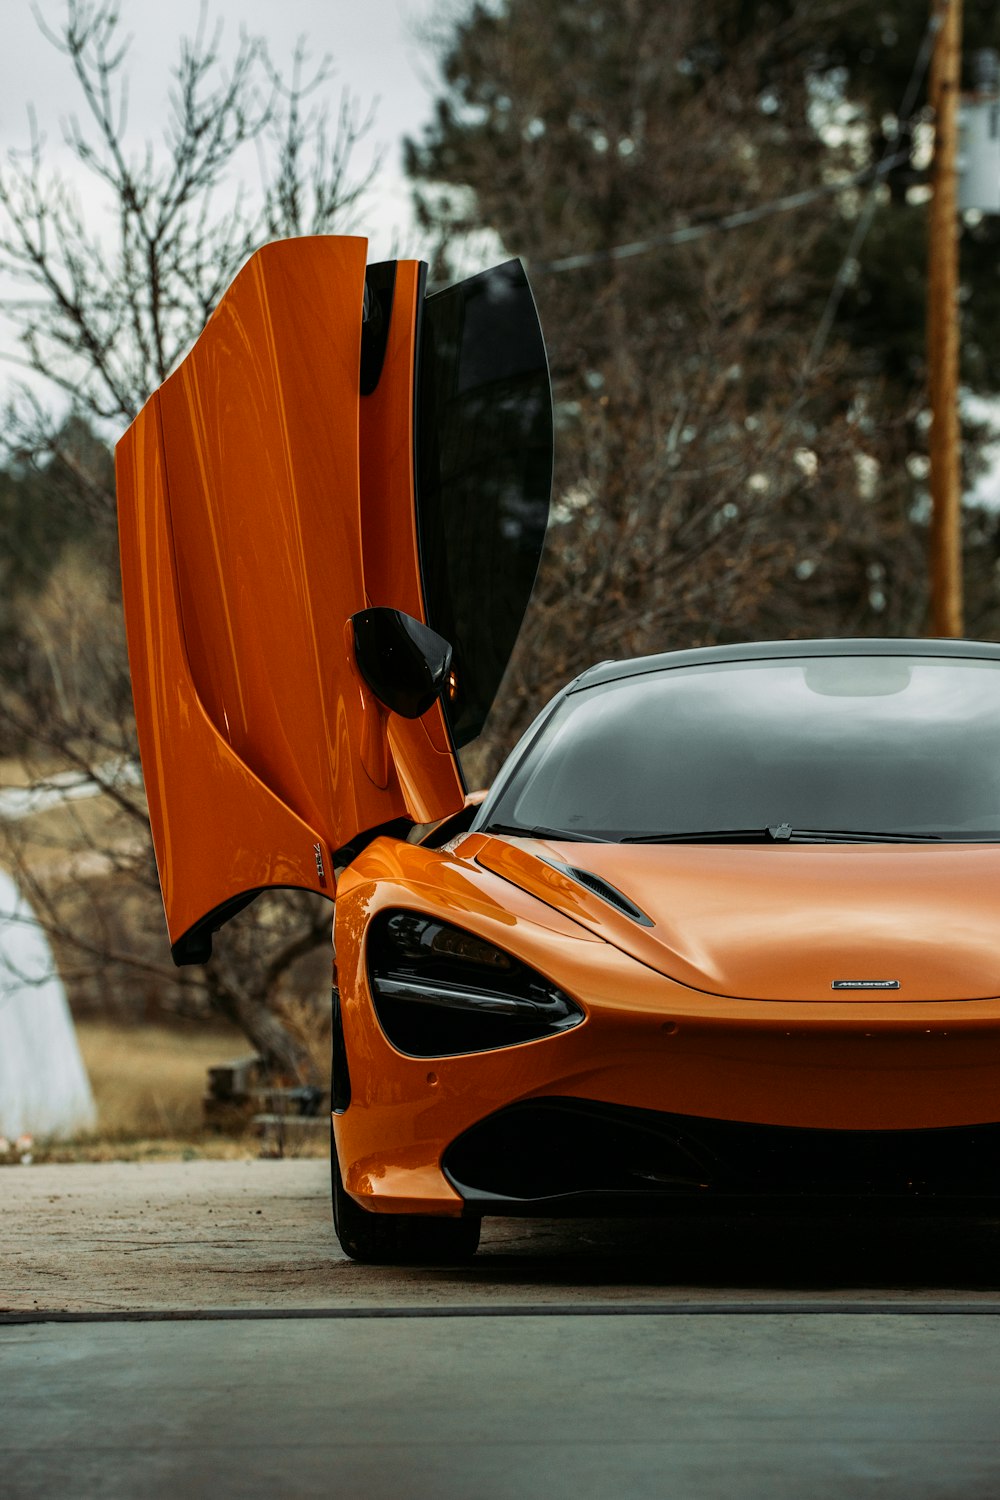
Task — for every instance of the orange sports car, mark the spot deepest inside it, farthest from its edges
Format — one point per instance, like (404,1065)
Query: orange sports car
(725,927)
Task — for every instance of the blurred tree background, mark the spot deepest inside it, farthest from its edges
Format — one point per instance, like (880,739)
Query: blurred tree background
(742,416)
(741,411)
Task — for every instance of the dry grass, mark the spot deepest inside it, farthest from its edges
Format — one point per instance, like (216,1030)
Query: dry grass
(203,1147)
(148,1082)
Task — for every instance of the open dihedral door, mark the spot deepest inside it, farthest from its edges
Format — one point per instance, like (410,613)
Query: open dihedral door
(267,497)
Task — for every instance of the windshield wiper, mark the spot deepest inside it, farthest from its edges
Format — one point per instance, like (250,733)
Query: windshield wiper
(545,833)
(711,836)
(852,836)
(780,833)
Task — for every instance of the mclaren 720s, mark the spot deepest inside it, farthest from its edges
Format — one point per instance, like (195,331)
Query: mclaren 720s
(725,930)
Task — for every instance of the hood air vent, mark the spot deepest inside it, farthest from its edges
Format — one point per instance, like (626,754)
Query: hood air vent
(604,889)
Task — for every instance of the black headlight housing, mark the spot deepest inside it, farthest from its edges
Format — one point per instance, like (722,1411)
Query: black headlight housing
(439,991)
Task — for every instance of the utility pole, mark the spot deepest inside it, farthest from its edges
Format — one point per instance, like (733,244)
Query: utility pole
(942,326)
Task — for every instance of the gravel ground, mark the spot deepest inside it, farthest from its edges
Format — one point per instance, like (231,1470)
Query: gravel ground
(217,1234)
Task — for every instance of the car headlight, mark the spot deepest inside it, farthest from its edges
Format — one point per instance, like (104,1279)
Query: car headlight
(440,990)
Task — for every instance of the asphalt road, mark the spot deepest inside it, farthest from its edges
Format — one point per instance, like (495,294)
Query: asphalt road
(562,1407)
(707,1361)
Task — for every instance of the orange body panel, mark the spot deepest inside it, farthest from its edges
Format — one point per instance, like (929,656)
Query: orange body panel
(780,927)
(390,548)
(648,1041)
(201,795)
(242,560)
(388,525)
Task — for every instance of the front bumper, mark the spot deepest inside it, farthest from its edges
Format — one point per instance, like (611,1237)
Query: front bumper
(649,1045)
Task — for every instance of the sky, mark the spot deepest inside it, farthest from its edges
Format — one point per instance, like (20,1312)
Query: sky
(375,46)
(378,50)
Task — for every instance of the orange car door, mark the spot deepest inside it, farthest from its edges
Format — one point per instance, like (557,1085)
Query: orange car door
(268,493)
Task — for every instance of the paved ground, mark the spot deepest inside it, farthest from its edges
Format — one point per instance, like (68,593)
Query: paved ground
(771,1360)
(258,1234)
(699,1407)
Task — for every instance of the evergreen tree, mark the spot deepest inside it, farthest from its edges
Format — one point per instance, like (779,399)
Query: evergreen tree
(742,440)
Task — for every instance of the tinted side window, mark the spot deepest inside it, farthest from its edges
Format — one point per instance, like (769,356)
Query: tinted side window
(484,475)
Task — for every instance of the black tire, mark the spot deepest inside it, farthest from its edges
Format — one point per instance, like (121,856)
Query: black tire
(398,1239)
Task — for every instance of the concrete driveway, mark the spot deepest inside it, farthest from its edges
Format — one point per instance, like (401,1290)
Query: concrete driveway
(211,1234)
(219,1345)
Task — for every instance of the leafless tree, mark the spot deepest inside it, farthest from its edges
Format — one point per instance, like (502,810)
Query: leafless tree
(106,316)
(103,310)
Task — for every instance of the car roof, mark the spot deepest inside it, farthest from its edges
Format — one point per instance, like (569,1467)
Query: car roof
(610,671)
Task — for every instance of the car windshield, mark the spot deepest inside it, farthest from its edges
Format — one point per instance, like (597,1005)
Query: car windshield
(890,744)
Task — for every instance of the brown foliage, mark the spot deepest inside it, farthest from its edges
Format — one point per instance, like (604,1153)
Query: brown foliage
(729,466)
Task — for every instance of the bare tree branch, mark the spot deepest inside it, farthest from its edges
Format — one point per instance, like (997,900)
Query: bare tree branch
(104,315)
(111,317)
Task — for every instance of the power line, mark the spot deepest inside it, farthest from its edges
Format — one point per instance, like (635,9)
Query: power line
(688,232)
(685,234)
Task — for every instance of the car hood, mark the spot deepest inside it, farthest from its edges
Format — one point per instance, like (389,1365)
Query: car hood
(784,921)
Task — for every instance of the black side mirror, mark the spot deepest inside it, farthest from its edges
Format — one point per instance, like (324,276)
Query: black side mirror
(404,662)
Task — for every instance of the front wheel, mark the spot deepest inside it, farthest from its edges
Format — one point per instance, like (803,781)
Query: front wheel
(398,1239)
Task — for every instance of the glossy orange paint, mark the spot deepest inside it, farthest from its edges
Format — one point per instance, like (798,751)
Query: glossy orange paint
(389,544)
(649,1040)
(388,522)
(201,795)
(243,558)
(781,922)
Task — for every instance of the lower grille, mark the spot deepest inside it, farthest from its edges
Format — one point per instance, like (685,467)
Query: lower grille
(545,1153)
